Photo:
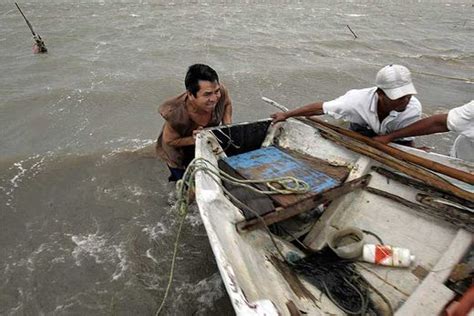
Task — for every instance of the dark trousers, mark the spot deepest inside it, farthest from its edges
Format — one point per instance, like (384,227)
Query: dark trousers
(176,174)
(188,156)
(368,132)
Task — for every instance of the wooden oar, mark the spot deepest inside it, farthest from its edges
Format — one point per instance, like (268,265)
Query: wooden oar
(392,157)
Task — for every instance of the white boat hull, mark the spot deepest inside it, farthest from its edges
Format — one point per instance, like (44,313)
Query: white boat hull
(257,286)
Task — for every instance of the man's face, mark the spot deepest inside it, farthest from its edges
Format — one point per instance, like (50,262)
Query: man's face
(399,104)
(207,97)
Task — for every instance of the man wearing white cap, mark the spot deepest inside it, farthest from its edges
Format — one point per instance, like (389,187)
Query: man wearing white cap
(378,110)
(459,120)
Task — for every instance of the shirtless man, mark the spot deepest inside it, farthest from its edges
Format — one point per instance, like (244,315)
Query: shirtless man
(206,102)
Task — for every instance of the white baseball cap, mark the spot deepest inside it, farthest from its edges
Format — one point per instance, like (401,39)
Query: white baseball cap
(395,81)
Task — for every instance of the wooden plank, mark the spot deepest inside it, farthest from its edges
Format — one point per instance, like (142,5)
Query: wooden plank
(339,173)
(262,204)
(271,162)
(292,309)
(432,295)
(281,213)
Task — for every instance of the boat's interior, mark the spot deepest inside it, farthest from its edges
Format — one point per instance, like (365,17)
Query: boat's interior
(346,189)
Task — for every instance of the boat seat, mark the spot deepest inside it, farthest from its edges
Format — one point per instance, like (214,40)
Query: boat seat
(325,181)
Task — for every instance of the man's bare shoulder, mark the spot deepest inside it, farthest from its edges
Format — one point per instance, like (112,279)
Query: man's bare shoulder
(169,106)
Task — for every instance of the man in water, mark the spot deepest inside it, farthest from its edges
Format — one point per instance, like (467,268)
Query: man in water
(206,102)
(379,110)
(39,47)
(460,120)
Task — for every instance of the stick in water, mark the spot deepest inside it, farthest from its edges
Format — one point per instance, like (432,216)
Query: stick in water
(275,104)
(355,36)
(39,47)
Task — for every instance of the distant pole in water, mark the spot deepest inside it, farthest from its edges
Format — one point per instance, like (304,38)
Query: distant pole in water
(355,36)
(39,47)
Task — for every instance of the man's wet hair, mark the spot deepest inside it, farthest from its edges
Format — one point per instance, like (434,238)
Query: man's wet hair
(198,72)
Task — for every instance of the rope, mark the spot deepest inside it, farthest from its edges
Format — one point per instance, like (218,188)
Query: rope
(230,141)
(173,261)
(363,299)
(384,298)
(289,185)
(368,232)
(292,236)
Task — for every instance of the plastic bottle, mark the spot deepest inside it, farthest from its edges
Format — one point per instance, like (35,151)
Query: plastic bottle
(387,255)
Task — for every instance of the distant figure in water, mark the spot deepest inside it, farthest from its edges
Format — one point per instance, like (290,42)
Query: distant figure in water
(460,120)
(206,102)
(379,110)
(39,47)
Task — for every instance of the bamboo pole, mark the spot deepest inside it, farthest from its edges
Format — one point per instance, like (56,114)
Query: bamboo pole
(395,163)
(422,187)
(455,217)
(429,164)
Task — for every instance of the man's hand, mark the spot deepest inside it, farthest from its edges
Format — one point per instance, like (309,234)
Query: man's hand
(278,117)
(384,139)
(196,131)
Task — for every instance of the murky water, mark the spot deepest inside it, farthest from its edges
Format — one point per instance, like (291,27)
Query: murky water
(86,227)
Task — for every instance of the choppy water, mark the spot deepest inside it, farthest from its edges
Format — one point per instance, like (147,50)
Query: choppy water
(85,223)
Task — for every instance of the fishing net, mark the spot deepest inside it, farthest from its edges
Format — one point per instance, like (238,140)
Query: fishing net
(338,279)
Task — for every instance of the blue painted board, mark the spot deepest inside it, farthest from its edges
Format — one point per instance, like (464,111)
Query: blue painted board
(271,162)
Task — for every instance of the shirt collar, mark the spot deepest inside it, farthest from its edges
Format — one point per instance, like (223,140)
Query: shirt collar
(375,101)
(394,113)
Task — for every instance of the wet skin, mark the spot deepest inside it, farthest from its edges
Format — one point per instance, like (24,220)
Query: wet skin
(206,98)
(386,105)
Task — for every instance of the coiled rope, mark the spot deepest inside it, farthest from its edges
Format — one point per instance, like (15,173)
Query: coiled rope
(185,186)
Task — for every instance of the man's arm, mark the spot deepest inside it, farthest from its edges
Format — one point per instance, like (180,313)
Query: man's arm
(227,118)
(430,125)
(172,138)
(307,110)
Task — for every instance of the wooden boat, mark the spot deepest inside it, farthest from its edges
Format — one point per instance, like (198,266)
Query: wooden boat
(351,189)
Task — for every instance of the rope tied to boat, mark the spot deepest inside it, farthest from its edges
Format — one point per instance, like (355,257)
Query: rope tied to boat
(287,185)
(186,186)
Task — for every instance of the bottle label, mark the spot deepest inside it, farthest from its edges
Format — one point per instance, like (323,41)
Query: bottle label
(383,254)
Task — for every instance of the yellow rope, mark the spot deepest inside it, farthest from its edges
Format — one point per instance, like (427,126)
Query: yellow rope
(173,261)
